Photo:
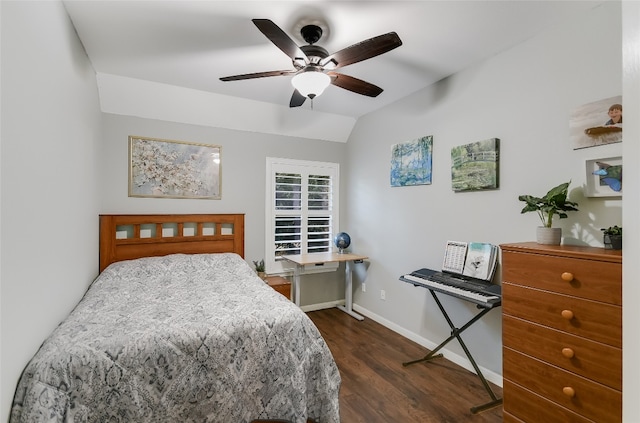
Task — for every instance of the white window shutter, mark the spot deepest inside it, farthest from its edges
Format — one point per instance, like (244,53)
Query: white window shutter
(301,210)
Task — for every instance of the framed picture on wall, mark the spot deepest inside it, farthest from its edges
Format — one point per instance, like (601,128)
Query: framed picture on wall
(604,177)
(474,167)
(161,168)
(411,162)
(596,123)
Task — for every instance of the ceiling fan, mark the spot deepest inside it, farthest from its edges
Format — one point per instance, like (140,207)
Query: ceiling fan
(314,67)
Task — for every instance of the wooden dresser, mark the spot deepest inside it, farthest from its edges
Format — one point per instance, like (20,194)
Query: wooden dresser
(561,333)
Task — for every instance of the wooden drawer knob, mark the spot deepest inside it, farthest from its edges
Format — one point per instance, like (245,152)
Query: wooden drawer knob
(567,352)
(567,314)
(569,391)
(566,276)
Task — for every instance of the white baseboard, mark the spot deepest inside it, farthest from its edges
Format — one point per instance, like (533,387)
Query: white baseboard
(449,355)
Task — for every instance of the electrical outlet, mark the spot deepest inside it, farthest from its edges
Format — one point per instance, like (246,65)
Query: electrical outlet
(364,287)
(383,295)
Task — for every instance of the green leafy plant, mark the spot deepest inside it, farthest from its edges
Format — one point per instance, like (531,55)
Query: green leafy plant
(553,203)
(612,230)
(259,265)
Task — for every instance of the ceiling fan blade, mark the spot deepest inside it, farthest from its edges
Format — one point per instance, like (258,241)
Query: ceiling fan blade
(355,85)
(257,75)
(363,50)
(297,99)
(280,39)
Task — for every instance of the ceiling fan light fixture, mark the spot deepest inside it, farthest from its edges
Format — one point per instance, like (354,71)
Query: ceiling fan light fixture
(313,66)
(311,83)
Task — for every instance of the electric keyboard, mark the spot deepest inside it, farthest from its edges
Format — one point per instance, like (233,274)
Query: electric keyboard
(479,292)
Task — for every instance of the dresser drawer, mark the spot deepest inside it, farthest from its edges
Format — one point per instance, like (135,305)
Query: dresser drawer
(531,408)
(589,399)
(599,362)
(510,418)
(598,281)
(589,319)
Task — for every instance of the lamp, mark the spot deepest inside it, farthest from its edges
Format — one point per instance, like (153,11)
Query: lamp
(311,82)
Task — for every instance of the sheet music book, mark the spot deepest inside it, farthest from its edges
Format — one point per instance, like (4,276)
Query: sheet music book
(454,256)
(474,259)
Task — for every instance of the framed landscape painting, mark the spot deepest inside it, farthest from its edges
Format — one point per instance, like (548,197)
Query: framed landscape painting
(411,162)
(173,169)
(475,166)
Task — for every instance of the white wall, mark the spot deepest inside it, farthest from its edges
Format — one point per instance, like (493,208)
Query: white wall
(50,127)
(50,145)
(242,174)
(146,99)
(631,211)
(522,96)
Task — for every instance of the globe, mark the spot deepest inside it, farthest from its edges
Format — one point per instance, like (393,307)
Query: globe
(342,241)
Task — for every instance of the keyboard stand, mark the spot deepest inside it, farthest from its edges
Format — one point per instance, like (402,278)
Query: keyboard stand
(455,333)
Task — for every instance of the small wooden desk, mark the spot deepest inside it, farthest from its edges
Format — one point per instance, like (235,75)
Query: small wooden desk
(301,260)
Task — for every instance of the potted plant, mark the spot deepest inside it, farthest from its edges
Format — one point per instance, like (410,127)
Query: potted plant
(260,268)
(612,237)
(554,203)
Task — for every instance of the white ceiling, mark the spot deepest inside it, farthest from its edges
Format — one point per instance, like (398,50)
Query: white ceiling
(194,43)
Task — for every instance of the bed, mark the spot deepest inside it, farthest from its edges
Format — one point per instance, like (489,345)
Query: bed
(178,328)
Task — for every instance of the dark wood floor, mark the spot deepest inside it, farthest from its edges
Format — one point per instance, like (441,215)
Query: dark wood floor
(377,388)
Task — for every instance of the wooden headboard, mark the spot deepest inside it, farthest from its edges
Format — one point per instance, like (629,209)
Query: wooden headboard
(129,236)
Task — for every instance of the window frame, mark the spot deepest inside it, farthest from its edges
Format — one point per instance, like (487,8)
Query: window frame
(304,168)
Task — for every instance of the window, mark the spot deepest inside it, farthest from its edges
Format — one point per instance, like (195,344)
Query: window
(301,210)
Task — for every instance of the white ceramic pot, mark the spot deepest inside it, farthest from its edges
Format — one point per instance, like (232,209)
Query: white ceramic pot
(548,236)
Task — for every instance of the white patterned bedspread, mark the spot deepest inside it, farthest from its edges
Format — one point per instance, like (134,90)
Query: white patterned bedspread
(181,338)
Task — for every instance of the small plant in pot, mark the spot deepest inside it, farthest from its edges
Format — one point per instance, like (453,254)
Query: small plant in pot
(554,203)
(260,268)
(612,237)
